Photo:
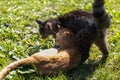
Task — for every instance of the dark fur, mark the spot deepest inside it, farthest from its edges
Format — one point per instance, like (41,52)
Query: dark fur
(88,27)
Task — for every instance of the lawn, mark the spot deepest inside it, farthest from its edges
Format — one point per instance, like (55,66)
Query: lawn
(19,38)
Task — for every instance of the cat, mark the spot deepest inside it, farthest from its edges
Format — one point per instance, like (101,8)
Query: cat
(88,28)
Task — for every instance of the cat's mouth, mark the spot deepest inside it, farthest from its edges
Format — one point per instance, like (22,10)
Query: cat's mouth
(57,47)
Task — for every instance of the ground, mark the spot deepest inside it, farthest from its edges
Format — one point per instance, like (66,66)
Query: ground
(19,38)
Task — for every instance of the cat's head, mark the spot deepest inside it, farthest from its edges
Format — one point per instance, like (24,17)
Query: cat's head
(48,27)
(65,38)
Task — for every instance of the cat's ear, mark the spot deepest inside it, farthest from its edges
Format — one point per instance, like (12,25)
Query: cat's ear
(67,34)
(38,21)
(49,26)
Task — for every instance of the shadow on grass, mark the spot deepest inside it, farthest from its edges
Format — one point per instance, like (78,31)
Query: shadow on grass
(84,70)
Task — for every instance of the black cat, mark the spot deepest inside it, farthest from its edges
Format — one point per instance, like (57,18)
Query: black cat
(88,27)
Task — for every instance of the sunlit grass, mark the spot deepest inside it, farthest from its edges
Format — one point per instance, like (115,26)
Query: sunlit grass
(19,37)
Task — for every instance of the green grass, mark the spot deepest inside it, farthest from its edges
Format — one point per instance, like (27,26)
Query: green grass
(19,38)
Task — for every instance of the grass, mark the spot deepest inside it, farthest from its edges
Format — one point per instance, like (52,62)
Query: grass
(19,38)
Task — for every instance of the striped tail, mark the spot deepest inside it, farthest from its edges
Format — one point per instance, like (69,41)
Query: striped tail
(13,66)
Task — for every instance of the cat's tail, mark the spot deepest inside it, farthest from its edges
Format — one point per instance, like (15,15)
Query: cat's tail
(100,14)
(14,65)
